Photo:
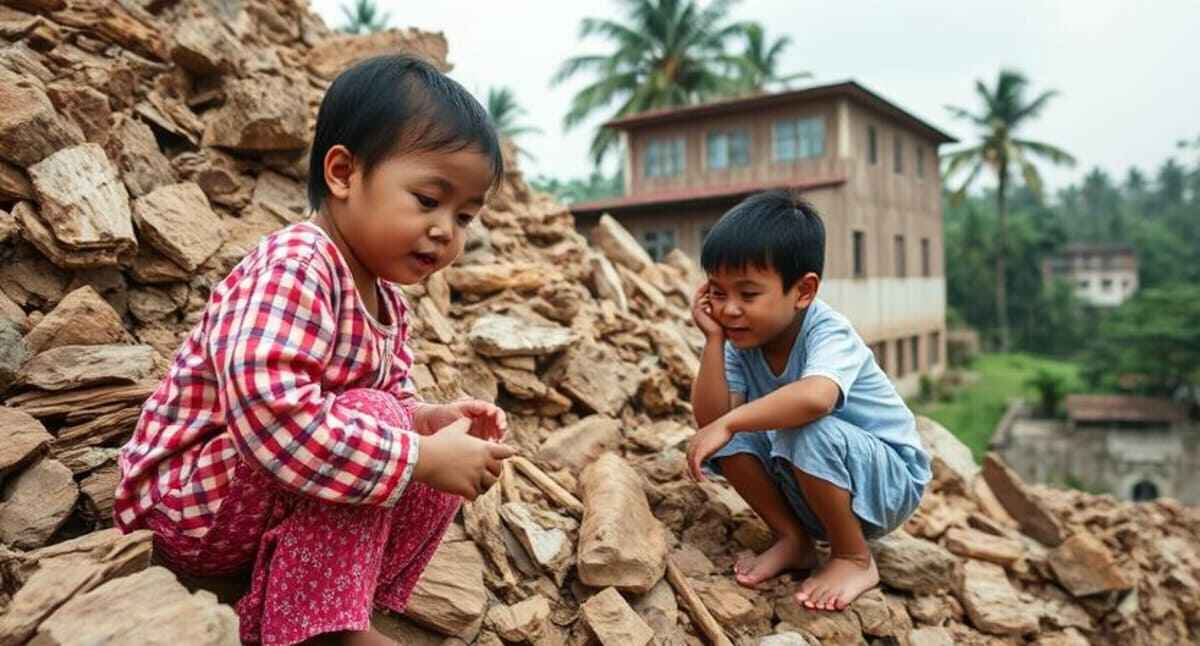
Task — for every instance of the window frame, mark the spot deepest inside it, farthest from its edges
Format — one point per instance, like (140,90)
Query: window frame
(798,125)
(653,167)
(730,136)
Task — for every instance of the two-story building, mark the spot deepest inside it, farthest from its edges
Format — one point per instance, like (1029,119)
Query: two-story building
(868,166)
(1104,275)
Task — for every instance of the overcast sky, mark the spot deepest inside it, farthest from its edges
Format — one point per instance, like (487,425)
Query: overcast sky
(1128,72)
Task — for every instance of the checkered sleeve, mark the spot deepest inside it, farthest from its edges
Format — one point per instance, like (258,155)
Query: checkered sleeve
(275,336)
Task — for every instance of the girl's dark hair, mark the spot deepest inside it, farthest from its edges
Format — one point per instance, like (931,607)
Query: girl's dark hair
(774,230)
(397,104)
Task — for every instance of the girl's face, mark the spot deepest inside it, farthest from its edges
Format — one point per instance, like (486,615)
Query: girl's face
(408,218)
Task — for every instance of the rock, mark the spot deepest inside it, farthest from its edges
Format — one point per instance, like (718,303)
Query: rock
(488,279)
(521,384)
(620,543)
(496,335)
(36,503)
(914,565)
(675,353)
(826,627)
(930,636)
(948,453)
(1034,518)
(13,352)
(22,439)
(203,46)
(450,596)
(75,366)
(991,601)
(11,312)
(985,547)
(14,184)
(549,547)
(150,267)
(260,114)
(521,622)
(86,106)
(789,638)
(150,607)
(282,196)
(483,524)
(97,492)
(31,281)
(151,304)
(30,128)
(578,445)
(657,394)
(82,201)
(613,622)
(594,376)
(1084,566)
(402,630)
(81,318)
(37,233)
(332,55)
(727,603)
(608,282)
(177,221)
(659,609)
(619,245)
(135,151)
(1068,637)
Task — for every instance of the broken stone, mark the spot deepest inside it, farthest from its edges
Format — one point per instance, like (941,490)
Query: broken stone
(30,128)
(948,453)
(22,439)
(550,547)
(619,245)
(594,376)
(203,46)
(580,444)
(177,221)
(36,503)
(333,55)
(14,184)
(150,304)
(149,267)
(97,492)
(283,197)
(86,106)
(1085,566)
(789,638)
(81,318)
(658,394)
(450,596)
(31,281)
(496,335)
(483,524)
(135,151)
(991,601)
(82,200)
(41,237)
(930,636)
(726,603)
(75,366)
(608,282)
(13,352)
(613,622)
(620,543)
(521,384)
(911,564)
(260,114)
(827,627)
(985,547)
(491,278)
(149,607)
(521,622)
(1034,518)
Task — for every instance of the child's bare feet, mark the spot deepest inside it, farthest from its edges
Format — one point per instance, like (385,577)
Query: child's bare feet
(838,583)
(788,553)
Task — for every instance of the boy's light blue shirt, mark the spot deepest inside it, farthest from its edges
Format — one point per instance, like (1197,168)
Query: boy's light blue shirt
(828,346)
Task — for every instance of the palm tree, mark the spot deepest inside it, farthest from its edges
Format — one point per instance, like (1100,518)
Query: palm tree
(504,110)
(667,53)
(362,16)
(1004,111)
(758,66)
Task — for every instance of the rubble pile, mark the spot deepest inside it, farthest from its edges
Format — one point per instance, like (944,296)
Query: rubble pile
(147,145)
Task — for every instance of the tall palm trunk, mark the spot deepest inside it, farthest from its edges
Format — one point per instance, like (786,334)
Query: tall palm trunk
(1001,256)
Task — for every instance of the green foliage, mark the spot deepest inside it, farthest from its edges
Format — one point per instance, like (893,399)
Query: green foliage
(1150,344)
(506,112)
(758,66)
(575,190)
(973,413)
(1051,389)
(364,17)
(1004,111)
(665,53)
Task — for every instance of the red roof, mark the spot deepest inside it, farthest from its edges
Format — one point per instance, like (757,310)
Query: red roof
(849,89)
(1124,408)
(693,195)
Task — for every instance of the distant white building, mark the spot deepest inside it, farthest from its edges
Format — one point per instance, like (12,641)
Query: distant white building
(1102,275)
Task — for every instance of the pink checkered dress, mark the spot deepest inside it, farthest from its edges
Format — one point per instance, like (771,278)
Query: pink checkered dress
(257,381)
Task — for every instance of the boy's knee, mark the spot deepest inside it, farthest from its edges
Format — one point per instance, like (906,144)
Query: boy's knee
(819,437)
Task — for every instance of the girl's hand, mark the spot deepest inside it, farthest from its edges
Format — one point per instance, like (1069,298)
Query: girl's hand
(702,313)
(488,422)
(453,461)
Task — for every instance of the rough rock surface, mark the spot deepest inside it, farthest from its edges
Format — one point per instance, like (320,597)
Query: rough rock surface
(621,543)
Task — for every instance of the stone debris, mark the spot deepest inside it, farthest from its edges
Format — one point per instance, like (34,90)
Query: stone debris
(146,147)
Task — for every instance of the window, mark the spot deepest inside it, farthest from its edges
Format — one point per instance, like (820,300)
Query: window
(1106,284)
(898,156)
(880,352)
(798,139)
(935,348)
(860,254)
(926,264)
(728,148)
(901,264)
(658,243)
(872,146)
(1083,284)
(899,357)
(664,157)
(920,161)
(916,352)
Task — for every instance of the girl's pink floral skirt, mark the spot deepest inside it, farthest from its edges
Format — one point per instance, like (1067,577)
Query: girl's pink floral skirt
(318,567)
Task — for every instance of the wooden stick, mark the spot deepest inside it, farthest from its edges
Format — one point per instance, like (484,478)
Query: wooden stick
(508,484)
(555,491)
(695,606)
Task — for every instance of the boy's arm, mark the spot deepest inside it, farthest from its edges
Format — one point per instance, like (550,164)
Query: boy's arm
(796,404)
(710,392)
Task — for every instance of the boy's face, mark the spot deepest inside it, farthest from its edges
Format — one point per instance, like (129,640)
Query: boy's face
(408,217)
(751,305)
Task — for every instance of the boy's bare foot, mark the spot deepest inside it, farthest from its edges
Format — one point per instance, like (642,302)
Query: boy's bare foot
(787,553)
(838,583)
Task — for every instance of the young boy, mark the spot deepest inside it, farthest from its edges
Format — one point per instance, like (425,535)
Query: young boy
(792,409)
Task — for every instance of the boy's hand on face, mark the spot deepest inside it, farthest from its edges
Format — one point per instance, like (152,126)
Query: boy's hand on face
(702,313)
(488,422)
(703,444)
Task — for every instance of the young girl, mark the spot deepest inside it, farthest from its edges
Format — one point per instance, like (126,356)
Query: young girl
(286,435)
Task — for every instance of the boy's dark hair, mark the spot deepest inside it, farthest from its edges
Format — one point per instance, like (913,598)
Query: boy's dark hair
(396,104)
(774,230)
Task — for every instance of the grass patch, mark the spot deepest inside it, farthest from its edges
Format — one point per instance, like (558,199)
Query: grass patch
(975,410)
